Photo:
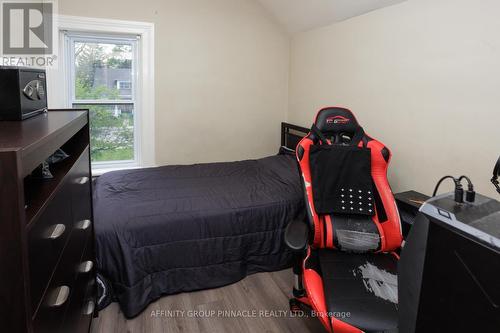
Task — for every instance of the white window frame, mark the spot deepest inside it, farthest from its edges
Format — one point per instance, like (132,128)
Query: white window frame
(60,95)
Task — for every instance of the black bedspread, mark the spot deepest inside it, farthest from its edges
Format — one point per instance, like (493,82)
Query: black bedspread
(172,229)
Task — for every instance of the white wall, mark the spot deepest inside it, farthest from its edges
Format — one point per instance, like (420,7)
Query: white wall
(221,75)
(422,76)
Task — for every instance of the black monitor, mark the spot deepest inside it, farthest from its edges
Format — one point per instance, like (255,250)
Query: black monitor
(449,272)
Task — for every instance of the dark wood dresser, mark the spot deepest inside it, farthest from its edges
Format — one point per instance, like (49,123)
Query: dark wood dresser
(47,274)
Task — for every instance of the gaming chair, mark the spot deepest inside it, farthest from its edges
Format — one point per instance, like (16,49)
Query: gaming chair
(346,264)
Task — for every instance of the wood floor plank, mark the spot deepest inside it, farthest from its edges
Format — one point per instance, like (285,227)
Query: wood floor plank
(256,304)
(242,298)
(284,280)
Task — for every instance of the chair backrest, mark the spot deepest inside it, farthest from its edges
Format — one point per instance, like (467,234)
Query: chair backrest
(350,204)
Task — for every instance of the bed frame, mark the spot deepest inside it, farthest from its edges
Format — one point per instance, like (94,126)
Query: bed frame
(292,134)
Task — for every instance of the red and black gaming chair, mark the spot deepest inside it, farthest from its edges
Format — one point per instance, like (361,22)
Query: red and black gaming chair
(346,267)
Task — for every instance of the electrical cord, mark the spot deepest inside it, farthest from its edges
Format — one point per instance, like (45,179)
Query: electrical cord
(441,180)
(470,194)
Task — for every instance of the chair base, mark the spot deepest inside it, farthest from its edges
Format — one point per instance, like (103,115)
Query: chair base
(300,307)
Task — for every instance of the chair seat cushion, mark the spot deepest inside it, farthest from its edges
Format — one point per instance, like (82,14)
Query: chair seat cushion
(361,289)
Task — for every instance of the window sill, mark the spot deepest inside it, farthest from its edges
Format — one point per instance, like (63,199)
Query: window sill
(96,172)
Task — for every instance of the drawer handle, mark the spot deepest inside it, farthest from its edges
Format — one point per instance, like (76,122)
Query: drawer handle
(85,267)
(83,225)
(89,308)
(82,180)
(56,231)
(59,296)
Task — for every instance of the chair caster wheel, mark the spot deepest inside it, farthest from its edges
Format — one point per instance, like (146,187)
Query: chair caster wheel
(294,306)
(297,307)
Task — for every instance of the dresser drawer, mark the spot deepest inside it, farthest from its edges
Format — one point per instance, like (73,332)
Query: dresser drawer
(81,183)
(83,301)
(61,289)
(46,241)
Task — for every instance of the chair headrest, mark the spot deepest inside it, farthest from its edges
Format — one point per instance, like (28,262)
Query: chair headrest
(336,120)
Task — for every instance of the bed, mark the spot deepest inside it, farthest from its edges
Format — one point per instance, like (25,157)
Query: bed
(173,229)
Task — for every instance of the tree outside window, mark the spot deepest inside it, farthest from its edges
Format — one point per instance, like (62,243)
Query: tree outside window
(98,66)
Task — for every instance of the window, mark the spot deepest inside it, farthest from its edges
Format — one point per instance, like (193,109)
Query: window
(103,73)
(107,66)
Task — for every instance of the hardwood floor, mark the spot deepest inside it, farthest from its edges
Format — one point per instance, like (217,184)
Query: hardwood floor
(258,303)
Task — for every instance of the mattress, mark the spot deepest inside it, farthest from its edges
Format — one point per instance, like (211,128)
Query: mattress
(174,229)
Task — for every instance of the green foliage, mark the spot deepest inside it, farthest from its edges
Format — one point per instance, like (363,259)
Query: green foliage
(119,63)
(112,134)
(88,57)
(114,155)
(84,91)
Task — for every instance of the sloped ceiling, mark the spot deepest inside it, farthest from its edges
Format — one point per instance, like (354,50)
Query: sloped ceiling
(302,15)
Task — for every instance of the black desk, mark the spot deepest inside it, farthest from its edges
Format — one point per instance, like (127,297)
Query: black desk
(409,203)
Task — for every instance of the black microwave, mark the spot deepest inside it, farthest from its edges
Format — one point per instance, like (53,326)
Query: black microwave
(23,92)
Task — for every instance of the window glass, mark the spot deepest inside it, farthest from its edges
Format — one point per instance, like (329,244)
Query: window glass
(111,131)
(103,81)
(98,69)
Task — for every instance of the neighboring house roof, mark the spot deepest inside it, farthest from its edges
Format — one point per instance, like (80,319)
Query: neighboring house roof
(109,76)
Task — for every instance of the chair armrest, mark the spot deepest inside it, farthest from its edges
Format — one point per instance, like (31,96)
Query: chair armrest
(297,235)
